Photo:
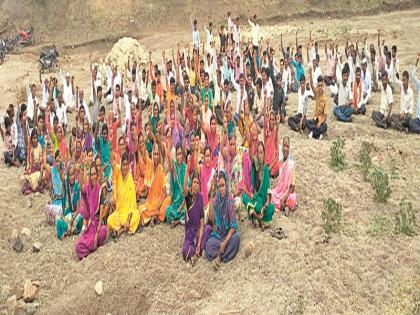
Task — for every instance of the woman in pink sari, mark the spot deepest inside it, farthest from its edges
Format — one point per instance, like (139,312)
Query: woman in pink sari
(93,233)
(271,143)
(206,175)
(283,196)
(212,139)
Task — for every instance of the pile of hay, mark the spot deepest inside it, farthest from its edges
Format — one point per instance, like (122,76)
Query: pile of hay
(124,48)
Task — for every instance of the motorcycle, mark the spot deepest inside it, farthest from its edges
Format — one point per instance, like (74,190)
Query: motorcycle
(48,60)
(11,45)
(27,38)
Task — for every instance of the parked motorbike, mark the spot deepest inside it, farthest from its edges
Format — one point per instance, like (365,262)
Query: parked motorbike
(48,59)
(11,44)
(27,38)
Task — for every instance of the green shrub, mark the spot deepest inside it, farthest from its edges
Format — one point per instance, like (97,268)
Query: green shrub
(365,160)
(393,169)
(338,158)
(331,215)
(380,183)
(381,225)
(405,219)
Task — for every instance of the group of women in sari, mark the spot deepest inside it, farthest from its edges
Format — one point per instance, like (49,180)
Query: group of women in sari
(112,187)
(117,174)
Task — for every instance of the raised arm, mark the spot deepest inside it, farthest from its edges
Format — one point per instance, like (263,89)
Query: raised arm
(311,82)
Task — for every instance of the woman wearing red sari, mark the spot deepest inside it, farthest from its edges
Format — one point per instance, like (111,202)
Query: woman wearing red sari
(271,144)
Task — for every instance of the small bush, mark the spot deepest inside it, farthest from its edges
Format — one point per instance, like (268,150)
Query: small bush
(393,169)
(405,219)
(338,158)
(381,225)
(380,183)
(365,160)
(331,215)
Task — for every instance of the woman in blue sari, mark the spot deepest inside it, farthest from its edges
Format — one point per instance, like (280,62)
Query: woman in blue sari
(223,243)
(54,209)
(71,222)
(175,213)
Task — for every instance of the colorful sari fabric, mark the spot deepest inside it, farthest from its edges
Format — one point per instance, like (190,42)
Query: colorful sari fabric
(192,227)
(260,179)
(62,146)
(85,244)
(224,220)
(285,180)
(177,199)
(33,178)
(206,174)
(153,206)
(125,197)
(142,174)
(71,201)
(87,142)
(271,146)
(104,148)
(55,208)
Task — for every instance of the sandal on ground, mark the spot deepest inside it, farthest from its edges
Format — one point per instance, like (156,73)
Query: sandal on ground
(278,233)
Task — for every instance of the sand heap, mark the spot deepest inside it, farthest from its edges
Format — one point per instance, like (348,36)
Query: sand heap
(124,48)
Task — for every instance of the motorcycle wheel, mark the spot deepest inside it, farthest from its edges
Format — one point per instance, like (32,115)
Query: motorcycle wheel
(1,57)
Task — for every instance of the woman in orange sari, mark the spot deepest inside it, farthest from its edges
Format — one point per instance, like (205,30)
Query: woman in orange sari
(153,210)
(142,168)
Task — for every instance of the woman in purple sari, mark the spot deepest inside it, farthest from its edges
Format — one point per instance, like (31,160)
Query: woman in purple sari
(93,233)
(223,243)
(196,232)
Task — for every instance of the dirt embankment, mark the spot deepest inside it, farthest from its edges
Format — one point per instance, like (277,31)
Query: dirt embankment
(79,21)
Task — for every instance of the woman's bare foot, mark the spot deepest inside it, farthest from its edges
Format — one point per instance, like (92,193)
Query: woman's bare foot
(217,262)
(194,260)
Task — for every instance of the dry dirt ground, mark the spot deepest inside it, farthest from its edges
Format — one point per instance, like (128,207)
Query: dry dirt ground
(352,273)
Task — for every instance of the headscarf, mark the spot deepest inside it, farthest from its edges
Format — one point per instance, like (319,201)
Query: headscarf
(71,193)
(224,215)
(91,198)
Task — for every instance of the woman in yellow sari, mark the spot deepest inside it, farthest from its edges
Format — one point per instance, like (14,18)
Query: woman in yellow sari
(125,218)
(153,210)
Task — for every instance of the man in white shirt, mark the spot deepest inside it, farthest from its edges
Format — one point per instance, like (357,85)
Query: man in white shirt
(236,35)
(298,122)
(259,104)
(195,34)
(32,100)
(344,108)
(241,95)
(285,76)
(209,38)
(81,102)
(45,86)
(366,77)
(395,60)
(255,32)
(381,117)
(68,90)
(415,122)
(129,99)
(401,121)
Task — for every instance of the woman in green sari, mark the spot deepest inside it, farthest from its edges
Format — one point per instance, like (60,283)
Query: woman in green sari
(71,222)
(258,204)
(175,213)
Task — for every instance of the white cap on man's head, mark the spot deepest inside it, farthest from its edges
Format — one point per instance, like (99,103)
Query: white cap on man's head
(364,61)
(68,74)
